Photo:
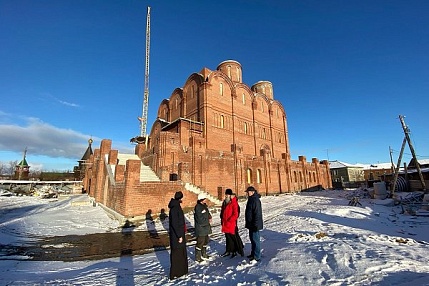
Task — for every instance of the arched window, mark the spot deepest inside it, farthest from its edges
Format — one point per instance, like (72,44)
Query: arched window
(294,174)
(300,176)
(222,121)
(221,89)
(259,176)
(229,71)
(245,127)
(244,99)
(249,176)
(238,74)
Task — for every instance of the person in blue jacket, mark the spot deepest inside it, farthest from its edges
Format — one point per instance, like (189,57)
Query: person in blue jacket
(253,222)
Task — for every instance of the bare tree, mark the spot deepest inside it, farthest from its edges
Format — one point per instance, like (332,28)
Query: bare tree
(35,174)
(10,169)
(2,168)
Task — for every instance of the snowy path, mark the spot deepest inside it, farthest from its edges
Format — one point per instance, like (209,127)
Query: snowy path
(308,239)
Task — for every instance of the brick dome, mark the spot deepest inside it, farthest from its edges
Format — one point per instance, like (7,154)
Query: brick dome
(232,69)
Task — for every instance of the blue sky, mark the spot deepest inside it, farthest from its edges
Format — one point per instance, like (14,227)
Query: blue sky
(343,70)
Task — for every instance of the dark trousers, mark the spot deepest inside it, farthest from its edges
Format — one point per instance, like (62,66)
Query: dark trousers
(234,243)
(202,241)
(230,242)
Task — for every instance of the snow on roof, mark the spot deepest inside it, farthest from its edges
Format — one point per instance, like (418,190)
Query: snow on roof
(412,171)
(338,164)
(377,166)
(423,161)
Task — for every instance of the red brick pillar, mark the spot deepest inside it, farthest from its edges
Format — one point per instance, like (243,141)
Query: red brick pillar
(113,157)
(132,173)
(139,150)
(120,173)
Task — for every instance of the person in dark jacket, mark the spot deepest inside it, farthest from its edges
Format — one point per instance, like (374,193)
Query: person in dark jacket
(203,228)
(253,221)
(177,229)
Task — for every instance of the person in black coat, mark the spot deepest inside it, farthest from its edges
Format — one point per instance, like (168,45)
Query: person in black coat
(203,228)
(178,254)
(253,222)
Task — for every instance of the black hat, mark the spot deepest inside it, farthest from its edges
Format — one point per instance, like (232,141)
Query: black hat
(178,195)
(228,192)
(250,189)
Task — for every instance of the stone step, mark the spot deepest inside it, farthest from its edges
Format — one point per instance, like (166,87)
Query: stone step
(196,190)
(146,173)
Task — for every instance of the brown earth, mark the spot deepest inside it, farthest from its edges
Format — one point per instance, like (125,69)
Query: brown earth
(90,246)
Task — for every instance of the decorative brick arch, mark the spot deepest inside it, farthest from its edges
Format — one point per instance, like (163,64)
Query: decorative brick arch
(226,79)
(176,104)
(265,150)
(164,110)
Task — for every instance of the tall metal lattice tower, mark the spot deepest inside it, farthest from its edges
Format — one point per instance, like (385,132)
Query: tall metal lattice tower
(143,118)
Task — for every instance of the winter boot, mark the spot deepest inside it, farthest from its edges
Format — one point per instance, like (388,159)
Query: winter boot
(198,255)
(204,253)
(225,254)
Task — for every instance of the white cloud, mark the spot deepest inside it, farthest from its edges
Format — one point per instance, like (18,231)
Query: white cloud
(63,102)
(68,103)
(44,139)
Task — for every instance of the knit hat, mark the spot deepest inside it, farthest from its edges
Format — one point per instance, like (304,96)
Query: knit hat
(202,196)
(228,192)
(178,195)
(250,189)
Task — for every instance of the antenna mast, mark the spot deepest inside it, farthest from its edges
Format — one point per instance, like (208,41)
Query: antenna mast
(143,119)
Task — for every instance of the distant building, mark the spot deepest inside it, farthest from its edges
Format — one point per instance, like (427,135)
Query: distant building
(22,170)
(345,174)
(412,176)
(423,163)
(377,171)
(79,170)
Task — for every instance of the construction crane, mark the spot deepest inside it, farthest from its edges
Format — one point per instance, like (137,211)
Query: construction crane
(143,119)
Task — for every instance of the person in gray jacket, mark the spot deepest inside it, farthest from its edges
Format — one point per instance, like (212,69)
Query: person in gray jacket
(203,228)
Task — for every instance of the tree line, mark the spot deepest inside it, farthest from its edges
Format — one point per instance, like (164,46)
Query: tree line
(8,169)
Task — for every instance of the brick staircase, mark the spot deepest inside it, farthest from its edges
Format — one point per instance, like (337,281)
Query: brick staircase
(146,173)
(196,190)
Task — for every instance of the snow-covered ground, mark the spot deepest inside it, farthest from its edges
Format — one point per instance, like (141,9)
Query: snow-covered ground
(308,239)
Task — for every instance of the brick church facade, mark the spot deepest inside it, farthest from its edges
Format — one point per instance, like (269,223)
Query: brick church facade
(213,133)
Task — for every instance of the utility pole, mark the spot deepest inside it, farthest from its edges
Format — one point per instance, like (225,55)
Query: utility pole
(407,137)
(391,159)
(395,178)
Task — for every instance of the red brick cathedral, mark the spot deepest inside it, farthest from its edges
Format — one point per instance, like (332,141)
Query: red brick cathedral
(213,133)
